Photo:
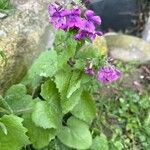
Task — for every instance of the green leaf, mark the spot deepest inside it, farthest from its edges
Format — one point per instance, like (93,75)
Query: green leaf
(75,83)
(57,145)
(38,136)
(49,92)
(46,115)
(17,98)
(118,145)
(100,143)
(44,66)
(76,134)
(86,108)
(4,107)
(16,137)
(62,80)
(68,104)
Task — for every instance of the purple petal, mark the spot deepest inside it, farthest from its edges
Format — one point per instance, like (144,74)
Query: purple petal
(76,11)
(73,21)
(89,14)
(88,26)
(65,12)
(80,35)
(58,22)
(99,33)
(89,71)
(108,74)
(96,20)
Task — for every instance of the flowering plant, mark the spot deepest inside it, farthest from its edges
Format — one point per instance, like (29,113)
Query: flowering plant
(60,106)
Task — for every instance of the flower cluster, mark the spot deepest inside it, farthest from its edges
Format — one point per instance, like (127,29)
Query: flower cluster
(66,19)
(106,74)
(84,26)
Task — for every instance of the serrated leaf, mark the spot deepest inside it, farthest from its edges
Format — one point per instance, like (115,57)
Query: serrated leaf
(49,92)
(76,134)
(62,80)
(100,143)
(86,108)
(75,83)
(64,85)
(38,136)
(44,66)
(17,98)
(68,104)
(46,115)
(16,137)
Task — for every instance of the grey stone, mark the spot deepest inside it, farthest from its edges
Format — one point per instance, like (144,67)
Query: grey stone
(24,35)
(128,48)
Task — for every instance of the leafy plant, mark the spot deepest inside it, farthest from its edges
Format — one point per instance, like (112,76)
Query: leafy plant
(55,107)
(5,4)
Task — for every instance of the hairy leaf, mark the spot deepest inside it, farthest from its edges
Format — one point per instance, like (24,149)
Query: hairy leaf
(68,84)
(75,83)
(49,92)
(68,104)
(17,98)
(62,80)
(44,66)
(38,136)
(86,108)
(100,143)
(76,134)
(15,138)
(46,115)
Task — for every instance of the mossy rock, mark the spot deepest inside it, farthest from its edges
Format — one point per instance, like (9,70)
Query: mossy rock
(25,34)
(128,48)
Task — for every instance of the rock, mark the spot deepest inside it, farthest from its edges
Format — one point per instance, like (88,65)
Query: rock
(128,48)
(146,32)
(23,36)
(2,15)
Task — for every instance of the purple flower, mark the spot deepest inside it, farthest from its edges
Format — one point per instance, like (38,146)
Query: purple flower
(108,74)
(89,23)
(87,29)
(89,71)
(56,18)
(85,34)
(89,15)
(73,19)
(87,26)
